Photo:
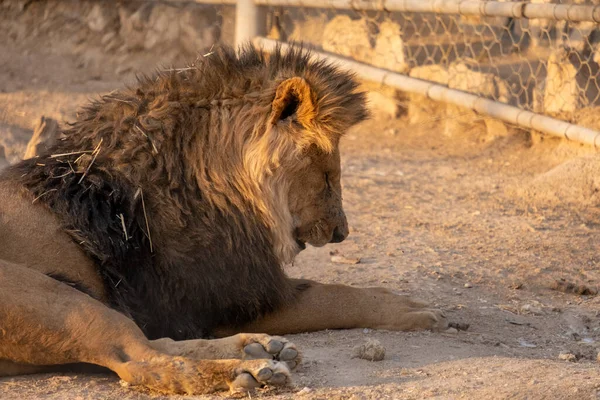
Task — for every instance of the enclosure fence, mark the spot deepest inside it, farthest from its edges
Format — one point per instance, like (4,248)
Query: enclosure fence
(532,64)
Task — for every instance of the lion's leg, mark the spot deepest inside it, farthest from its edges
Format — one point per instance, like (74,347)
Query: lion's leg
(319,306)
(9,368)
(241,346)
(45,322)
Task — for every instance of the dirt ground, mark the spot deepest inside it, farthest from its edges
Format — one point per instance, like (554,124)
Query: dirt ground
(479,225)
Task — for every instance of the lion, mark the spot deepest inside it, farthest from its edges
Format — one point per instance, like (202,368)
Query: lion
(150,237)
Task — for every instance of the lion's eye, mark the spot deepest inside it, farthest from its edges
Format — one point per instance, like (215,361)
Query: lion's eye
(327,183)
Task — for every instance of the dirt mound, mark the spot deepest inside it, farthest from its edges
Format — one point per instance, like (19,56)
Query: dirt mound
(574,182)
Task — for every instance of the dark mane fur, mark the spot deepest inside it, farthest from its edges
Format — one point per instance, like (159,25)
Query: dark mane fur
(164,154)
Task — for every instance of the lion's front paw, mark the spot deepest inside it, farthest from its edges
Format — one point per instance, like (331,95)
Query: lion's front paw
(259,346)
(257,373)
(187,376)
(416,319)
(434,320)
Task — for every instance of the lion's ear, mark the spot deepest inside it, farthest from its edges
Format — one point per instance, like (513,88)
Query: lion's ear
(294,97)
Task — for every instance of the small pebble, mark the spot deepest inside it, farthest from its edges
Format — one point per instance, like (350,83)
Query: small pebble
(371,350)
(459,326)
(524,343)
(305,390)
(567,357)
(344,260)
(451,330)
(533,309)
(468,285)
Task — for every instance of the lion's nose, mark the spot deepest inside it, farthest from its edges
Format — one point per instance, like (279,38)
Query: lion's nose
(339,234)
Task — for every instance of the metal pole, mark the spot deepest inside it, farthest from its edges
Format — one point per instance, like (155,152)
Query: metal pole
(434,91)
(520,9)
(250,21)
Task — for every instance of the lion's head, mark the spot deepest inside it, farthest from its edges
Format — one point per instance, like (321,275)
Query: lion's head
(293,154)
(273,140)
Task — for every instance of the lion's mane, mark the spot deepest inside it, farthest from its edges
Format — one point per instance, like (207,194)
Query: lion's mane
(176,187)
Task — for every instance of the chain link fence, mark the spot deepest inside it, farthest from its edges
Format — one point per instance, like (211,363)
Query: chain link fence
(543,65)
(539,57)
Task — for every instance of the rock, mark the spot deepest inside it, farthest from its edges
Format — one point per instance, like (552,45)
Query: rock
(310,30)
(371,350)
(564,286)
(495,128)
(465,76)
(420,108)
(462,121)
(304,390)
(526,344)
(354,39)
(344,260)
(389,48)
(161,25)
(459,326)
(348,37)
(167,26)
(434,73)
(534,308)
(561,92)
(567,357)
(382,106)
(198,28)
(468,285)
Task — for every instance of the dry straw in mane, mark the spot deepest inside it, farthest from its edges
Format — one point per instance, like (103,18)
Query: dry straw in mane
(178,186)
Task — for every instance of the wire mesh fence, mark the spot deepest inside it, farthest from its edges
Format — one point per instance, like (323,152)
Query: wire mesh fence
(543,65)
(539,56)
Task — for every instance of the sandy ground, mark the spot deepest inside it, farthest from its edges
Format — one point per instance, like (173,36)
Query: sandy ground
(479,226)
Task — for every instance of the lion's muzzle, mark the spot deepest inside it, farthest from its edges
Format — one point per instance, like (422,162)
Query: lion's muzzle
(340,232)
